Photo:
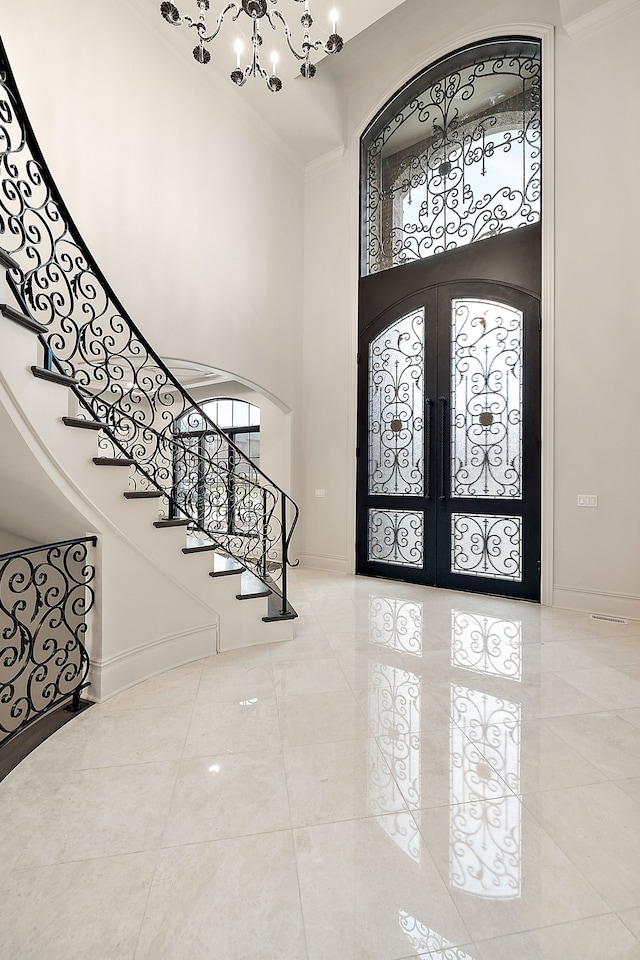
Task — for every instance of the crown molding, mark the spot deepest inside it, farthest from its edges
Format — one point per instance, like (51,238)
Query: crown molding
(603,16)
(321,165)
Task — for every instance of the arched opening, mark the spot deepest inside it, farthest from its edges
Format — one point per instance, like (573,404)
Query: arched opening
(449,326)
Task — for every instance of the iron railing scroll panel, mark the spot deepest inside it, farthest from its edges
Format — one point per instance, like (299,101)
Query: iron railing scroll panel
(120,380)
(46,593)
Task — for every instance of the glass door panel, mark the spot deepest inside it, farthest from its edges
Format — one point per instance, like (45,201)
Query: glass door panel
(449,482)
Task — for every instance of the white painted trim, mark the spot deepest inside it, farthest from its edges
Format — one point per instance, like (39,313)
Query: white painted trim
(546,34)
(603,16)
(320,562)
(115,674)
(321,165)
(597,601)
(548,301)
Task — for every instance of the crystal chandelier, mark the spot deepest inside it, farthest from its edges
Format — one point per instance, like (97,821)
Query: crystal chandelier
(260,12)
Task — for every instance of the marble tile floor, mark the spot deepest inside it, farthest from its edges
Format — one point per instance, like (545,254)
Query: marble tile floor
(418,774)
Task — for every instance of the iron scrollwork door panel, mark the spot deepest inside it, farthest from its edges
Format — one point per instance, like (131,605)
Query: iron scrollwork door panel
(449,426)
(488,520)
(396,535)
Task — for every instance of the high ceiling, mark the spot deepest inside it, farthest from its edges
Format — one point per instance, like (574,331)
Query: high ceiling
(305,115)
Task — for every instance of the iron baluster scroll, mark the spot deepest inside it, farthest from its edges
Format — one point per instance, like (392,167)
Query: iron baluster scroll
(120,380)
(454,158)
(46,593)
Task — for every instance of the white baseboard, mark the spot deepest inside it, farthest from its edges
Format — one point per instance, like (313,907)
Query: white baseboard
(610,604)
(320,562)
(114,674)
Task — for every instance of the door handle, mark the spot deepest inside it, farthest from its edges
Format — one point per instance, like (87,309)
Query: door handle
(443,423)
(427,439)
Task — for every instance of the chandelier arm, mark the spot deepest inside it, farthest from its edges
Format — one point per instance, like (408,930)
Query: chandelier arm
(287,33)
(220,21)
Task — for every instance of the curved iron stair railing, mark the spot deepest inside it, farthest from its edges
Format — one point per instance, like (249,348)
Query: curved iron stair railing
(118,378)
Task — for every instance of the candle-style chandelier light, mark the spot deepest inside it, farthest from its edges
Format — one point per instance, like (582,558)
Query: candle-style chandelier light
(261,13)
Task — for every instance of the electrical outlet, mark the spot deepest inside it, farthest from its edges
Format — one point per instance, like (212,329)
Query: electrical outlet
(587,500)
(319,493)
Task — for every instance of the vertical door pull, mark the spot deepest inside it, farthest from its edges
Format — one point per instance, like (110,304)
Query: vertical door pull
(427,439)
(443,424)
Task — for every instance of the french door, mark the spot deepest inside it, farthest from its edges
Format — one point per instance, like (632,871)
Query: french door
(449,438)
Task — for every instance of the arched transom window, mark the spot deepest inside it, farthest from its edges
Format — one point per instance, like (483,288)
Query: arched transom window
(455,157)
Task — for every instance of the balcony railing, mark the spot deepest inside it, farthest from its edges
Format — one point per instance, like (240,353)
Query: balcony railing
(46,593)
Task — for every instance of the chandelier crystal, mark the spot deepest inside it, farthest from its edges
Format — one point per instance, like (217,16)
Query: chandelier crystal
(262,14)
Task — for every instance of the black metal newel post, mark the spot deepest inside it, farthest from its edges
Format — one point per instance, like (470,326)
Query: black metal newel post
(285,555)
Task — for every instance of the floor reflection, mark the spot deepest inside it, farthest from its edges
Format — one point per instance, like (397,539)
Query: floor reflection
(394,715)
(396,624)
(485,828)
(484,752)
(486,645)
(425,941)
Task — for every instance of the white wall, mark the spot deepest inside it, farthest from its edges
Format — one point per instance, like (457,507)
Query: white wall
(194,218)
(596,553)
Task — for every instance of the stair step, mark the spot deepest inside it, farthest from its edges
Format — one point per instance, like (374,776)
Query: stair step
(171,523)
(53,376)
(205,547)
(275,608)
(142,494)
(8,262)
(113,461)
(83,424)
(225,566)
(252,587)
(22,319)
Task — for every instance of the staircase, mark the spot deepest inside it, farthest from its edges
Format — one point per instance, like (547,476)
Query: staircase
(81,377)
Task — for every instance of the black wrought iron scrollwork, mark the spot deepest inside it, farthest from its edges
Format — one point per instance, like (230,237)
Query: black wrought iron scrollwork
(486,399)
(458,159)
(396,537)
(119,379)
(396,388)
(486,546)
(45,595)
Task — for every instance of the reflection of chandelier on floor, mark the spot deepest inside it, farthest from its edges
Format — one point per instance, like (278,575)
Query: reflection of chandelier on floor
(257,11)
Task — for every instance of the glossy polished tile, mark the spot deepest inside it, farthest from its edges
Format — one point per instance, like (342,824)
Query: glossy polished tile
(320,718)
(340,781)
(170,689)
(369,889)
(598,827)
(103,812)
(631,919)
(305,647)
(547,762)
(227,796)
(504,872)
(236,680)
(419,773)
(298,677)
(233,726)
(91,908)
(613,689)
(134,736)
(596,938)
(606,740)
(233,899)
